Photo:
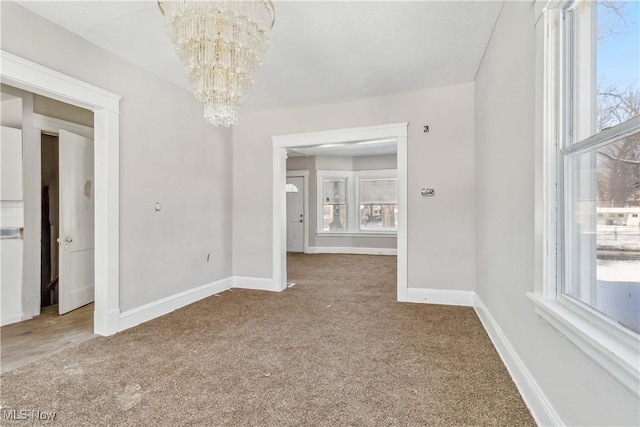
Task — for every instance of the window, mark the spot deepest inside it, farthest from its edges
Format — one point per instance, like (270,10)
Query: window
(591,292)
(358,202)
(291,188)
(599,157)
(378,204)
(334,204)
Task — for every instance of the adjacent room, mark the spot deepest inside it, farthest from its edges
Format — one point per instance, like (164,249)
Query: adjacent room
(320,213)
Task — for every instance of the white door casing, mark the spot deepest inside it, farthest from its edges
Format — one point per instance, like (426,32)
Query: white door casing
(76,277)
(26,75)
(398,131)
(296,221)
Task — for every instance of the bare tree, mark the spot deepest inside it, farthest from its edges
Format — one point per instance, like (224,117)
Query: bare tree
(618,25)
(619,163)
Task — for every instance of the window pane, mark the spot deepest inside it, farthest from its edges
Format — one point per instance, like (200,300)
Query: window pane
(603,230)
(378,217)
(604,66)
(618,62)
(334,217)
(334,191)
(334,209)
(379,204)
(378,191)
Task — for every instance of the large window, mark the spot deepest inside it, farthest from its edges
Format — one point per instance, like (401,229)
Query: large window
(334,204)
(591,116)
(378,204)
(599,157)
(358,202)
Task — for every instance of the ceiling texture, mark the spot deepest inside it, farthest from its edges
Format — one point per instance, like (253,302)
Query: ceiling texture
(321,51)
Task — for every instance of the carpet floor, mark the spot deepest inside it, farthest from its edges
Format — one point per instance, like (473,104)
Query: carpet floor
(336,349)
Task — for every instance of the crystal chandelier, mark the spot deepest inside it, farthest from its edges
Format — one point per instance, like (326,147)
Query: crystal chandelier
(221,44)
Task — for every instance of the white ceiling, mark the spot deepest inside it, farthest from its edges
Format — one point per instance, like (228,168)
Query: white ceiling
(321,52)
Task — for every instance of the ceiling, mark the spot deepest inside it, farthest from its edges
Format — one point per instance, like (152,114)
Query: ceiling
(321,51)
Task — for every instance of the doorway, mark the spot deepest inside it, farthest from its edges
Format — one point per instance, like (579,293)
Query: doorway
(353,136)
(29,76)
(49,221)
(67,220)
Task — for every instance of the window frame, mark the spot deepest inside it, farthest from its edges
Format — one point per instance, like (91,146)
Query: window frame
(383,174)
(614,347)
(320,200)
(352,201)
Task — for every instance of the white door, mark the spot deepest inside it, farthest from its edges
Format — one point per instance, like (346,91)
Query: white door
(295,214)
(76,273)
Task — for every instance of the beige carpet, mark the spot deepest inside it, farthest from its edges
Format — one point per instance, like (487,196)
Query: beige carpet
(336,349)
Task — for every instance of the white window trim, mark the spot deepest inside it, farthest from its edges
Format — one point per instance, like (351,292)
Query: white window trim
(352,201)
(372,174)
(615,349)
(391,234)
(321,176)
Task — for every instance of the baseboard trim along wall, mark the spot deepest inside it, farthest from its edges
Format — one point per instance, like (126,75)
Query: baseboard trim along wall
(350,250)
(14,319)
(254,283)
(541,408)
(136,316)
(440,296)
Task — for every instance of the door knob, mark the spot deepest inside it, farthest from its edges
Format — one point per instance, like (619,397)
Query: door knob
(68,240)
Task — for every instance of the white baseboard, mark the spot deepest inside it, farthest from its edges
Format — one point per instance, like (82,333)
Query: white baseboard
(136,316)
(440,296)
(254,283)
(349,250)
(541,408)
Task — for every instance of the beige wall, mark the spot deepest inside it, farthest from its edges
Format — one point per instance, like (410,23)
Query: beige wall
(440,229)
(167,155)
(505,98)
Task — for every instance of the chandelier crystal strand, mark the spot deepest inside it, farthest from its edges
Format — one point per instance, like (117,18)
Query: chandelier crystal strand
(221,44)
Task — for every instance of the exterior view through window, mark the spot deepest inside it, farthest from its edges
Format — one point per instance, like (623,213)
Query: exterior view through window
(334,209)
(379,204)
(600,160)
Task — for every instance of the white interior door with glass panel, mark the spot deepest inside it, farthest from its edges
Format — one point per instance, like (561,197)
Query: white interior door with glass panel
(295,214)
(76,274)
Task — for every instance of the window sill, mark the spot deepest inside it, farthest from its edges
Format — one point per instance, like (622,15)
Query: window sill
(617,356)
(362,234)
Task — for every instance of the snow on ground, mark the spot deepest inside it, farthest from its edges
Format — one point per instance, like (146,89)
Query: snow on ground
(618,237)
(618,271)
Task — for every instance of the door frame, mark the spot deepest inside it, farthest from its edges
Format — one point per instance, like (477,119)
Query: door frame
(26,75)
(304,174)
(398,131)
